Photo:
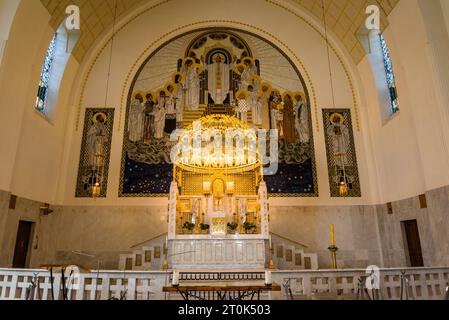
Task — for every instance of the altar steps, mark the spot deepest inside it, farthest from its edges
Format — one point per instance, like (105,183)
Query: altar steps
(291,255)
(146,256)
(192,115)
(203,110)
(287,255)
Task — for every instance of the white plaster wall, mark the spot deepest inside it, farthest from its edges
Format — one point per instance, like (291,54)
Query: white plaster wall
(433,223)
(31,146)
(26,210)
(7,13)
(355,232)
(101,231)
(410,150)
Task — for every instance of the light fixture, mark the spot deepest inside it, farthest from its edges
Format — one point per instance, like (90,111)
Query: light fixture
(343,189)
(341,184)
(98,168)
(96,190)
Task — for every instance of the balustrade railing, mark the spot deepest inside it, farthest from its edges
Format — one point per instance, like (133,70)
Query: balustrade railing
(418,283)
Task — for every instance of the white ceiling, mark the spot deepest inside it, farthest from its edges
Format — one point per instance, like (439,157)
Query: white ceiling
(342,16)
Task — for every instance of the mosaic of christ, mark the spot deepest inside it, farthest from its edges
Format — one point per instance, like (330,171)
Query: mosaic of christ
(208,71)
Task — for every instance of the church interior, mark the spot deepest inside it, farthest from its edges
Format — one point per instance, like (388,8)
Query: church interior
(230,150)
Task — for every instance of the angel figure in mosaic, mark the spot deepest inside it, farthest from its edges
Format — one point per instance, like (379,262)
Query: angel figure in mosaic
(148,118)
(250,70)
(178,79)
(276,112)
(159,116)
(97,139)
(264,97)
(340,139)
(242,105)
(170,107)
(288,121)
(136,119)
(301,118)
(191,72)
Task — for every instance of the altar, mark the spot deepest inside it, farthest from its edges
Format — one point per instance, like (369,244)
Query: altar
(217,222)
(229,252)
(218,206)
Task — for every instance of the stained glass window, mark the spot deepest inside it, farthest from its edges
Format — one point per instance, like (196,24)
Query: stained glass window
(41,98)
(390,75)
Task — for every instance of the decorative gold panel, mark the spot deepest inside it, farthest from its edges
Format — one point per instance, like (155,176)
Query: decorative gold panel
(148,256)
(289,255)
(244,183)
(138,262)
(280,252)
(218,226)
(157,252)
(298,259)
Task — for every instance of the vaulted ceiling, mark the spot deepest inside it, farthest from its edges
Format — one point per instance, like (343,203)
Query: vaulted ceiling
(344,17)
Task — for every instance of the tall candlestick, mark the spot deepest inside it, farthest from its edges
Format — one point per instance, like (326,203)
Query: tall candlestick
(332,235)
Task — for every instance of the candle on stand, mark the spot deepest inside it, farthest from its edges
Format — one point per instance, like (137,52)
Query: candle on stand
(175,280)
(268,280)
(332,235)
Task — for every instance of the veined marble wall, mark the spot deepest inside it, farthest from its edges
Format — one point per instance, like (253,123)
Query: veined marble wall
(433,226)
(365,234)
(27,210)
(355,232)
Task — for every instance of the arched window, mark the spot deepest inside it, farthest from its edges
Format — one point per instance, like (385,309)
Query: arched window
(378,55)
(389,72)
(53,68)
(42,91)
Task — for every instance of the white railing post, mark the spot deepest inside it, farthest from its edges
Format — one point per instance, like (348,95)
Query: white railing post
(306,284)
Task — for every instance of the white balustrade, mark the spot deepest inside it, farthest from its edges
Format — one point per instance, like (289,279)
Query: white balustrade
(423,283)
(105,285)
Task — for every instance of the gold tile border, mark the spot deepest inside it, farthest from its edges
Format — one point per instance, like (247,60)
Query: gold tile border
(314,96)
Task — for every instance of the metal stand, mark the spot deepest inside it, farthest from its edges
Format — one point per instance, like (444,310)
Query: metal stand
(361,289)
(31,290)
(446,295)
(288,288)
(333,250)
(404,287)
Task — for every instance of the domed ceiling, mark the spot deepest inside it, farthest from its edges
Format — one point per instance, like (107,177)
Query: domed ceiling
(344,18)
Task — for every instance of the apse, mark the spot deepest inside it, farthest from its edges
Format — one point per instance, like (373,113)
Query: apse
(220,55)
